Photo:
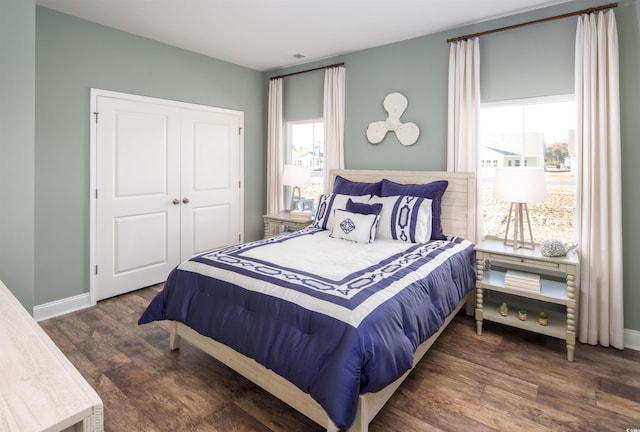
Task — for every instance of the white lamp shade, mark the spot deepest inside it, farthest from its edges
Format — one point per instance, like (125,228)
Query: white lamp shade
(520,185)
(296,175)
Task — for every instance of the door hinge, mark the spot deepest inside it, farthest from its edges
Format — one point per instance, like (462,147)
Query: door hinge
(239,237)
(96,269)
(96,193)
(96,114)
(239,184)
(239,131)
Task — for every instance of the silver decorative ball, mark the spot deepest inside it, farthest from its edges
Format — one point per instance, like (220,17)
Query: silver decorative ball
(555,248)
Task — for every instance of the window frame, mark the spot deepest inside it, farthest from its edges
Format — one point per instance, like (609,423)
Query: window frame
(486,169)
(287,152)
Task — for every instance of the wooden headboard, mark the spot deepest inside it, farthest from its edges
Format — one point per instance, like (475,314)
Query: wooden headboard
(458,202)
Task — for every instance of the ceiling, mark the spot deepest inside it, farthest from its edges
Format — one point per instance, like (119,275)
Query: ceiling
(266,34)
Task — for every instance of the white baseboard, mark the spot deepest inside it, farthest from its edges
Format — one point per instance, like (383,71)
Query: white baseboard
(61,307)
(81,301)
(632,339)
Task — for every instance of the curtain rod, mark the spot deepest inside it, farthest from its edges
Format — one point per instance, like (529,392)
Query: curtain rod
(305,71)
(570,14)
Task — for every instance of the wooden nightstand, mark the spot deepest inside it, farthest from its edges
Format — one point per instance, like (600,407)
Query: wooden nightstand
(284,219)
(557,295)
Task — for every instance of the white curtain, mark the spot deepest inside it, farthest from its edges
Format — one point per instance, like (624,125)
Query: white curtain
(274,147)
(464,112)
(333,117)
(600,315)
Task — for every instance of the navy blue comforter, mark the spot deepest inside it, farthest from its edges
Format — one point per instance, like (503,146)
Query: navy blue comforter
(334,337)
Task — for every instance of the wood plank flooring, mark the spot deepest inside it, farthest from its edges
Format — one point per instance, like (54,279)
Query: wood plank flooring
(506,379)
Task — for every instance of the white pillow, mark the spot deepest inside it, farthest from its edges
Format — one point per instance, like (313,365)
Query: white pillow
(328,203)
(356,227)
(405,218)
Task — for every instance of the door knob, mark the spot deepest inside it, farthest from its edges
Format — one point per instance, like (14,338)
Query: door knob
(176,201)
(185,200)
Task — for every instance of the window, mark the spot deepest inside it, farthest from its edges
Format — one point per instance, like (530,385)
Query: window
(305,146)
(536,132)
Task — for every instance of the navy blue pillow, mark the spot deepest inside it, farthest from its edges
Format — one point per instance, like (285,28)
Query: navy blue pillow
(347,187)
(433,191)
(362,208)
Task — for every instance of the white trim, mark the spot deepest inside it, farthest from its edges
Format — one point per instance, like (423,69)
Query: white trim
(533,100)
(62,307)
(82,301)
(93,163)
(632,339)
(93,186)
(176,104)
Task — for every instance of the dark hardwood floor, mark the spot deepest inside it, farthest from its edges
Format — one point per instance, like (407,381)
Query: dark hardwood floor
(504,380)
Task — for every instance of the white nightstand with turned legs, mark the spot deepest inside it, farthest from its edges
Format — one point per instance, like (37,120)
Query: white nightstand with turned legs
(556,296)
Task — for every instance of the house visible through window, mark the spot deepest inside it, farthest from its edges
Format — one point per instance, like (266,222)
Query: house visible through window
(537,132)
(305,146)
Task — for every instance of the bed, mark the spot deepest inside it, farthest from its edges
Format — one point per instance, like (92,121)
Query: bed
(331,319)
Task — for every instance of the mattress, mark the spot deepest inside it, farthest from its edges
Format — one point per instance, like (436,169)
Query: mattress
(335,318)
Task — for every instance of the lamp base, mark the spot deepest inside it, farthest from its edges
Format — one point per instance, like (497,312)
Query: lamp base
(519,245)
(519,210)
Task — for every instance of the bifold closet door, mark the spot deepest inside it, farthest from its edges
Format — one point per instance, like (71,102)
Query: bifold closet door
(138,194)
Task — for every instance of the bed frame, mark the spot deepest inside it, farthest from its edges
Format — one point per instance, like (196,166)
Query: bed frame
(458,218)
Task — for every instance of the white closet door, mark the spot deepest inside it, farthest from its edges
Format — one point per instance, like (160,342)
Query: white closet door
(168,186)
(210,181)
(138,224)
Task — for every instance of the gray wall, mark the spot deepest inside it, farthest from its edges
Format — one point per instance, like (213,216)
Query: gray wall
(17,89)
(72,56)
(628,20)
(526,62)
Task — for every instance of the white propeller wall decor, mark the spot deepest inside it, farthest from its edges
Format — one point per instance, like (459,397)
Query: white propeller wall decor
(407,133)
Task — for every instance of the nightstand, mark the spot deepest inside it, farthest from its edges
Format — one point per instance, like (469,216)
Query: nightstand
(556,295)
(284,219)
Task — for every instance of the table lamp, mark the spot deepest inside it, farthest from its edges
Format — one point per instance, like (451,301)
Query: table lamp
(296,176)
(519,186)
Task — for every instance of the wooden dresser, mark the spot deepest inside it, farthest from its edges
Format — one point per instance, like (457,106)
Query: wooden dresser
(40,390)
